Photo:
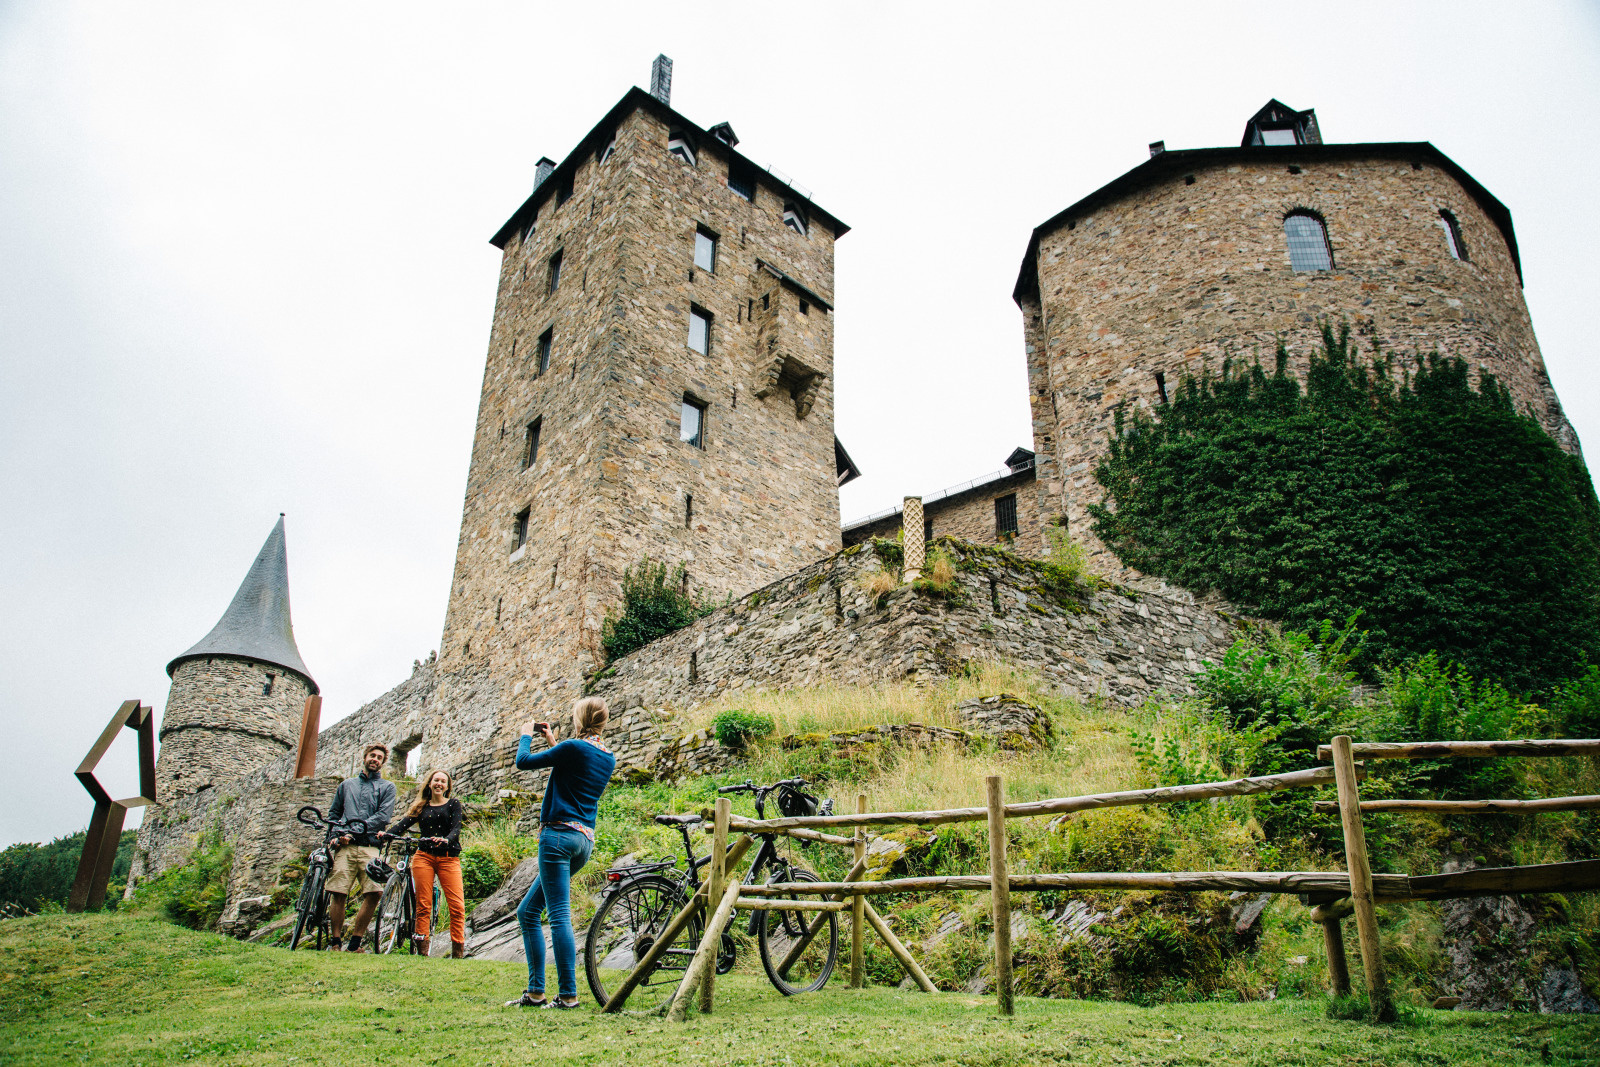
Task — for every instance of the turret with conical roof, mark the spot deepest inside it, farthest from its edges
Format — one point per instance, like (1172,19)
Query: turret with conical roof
(238,694)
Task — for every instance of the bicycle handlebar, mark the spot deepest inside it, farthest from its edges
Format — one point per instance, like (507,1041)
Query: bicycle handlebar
(751,787)
(351,826)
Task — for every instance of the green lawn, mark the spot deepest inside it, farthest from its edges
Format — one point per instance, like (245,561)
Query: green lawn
(109,990)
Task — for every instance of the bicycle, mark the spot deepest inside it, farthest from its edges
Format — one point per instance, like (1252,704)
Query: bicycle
(395,921)
(311,906)
(643,898)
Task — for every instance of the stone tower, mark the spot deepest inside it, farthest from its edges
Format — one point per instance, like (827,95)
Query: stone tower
(1199,254)
(659,382)
(238,695)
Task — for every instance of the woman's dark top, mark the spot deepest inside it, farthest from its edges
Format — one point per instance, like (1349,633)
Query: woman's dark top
(579,772)
(441,820)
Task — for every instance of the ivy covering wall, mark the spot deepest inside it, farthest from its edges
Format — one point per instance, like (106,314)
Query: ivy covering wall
(1452,523)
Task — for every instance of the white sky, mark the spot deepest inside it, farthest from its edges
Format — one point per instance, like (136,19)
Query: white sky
(244,264)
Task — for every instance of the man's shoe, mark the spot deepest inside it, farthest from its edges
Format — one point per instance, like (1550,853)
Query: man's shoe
(354,944)
(336,945)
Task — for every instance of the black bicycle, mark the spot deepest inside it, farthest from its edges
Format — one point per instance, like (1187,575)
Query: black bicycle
(394,924)
(641,900)
(311,907)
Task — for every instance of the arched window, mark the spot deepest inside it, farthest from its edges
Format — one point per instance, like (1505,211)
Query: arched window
(1308,242)
(1452,234)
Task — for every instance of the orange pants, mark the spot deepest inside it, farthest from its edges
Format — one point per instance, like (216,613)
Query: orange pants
(424,869)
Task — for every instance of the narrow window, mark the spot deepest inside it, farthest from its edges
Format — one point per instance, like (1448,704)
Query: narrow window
(694,667)
(608,147)
(530,443)
(555,270)
(692,422)
(564,189)
(530,227)
(700,330)
(553,572)
(1452,235)
(266,686)
(1308,242)
(705,249)
(678,145)
(742,180)
(1161,385)
(499,602)
(766,301)
(750,312)
(688,509)
(683,586)
(794,218)
(805,308)
(546,340)
(927,529)
(1005,516)
(519,531)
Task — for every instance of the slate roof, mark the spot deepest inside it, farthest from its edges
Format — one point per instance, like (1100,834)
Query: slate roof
(256,625)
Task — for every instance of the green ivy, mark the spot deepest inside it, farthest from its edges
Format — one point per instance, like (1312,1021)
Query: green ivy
(1451,522)
(654,604)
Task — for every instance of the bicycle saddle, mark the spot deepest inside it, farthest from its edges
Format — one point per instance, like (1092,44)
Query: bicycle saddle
(678,820)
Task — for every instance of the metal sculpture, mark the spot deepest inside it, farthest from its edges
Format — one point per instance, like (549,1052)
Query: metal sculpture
(105,828)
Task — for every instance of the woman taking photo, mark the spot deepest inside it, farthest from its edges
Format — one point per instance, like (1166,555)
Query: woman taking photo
(579,770)
(438,815)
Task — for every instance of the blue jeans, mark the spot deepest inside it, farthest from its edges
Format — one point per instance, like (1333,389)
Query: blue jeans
(562,853)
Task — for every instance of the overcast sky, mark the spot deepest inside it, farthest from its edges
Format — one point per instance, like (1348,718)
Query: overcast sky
(244,264)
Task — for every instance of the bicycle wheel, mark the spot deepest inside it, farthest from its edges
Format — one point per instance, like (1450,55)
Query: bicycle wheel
(780,934)
(306,918)
(625,928)
(394,920)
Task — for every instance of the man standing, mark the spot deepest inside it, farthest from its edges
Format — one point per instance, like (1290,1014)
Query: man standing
(369,798)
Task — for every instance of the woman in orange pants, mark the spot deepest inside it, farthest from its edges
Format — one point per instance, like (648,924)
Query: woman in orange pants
(438,815)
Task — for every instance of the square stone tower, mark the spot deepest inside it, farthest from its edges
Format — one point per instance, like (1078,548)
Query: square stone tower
(659,383)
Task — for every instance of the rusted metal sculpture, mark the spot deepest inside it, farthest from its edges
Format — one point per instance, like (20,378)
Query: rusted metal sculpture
(105,828)
(305,762)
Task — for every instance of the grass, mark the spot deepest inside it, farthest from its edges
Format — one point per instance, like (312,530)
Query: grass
(113,990)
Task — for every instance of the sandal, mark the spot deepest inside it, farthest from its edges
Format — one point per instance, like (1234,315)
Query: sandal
(527,1001)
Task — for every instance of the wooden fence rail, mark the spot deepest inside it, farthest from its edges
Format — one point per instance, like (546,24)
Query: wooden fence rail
(1469,807)
(1455,749)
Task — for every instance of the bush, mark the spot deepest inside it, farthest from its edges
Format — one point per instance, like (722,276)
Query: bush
(1577,705)
(480,874)
(1117,839)
(654,604)
(1454,523)
(194,894)
(735,727)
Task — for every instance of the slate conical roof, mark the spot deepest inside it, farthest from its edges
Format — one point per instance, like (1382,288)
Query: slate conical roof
(257,625)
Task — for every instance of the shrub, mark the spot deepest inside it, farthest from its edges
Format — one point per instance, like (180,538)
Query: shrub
(194,894)
(1067,560)
(481,875)
(735,727)
(1117,839)
(1577,705)
(654,604)
(1454,523)
(33,875)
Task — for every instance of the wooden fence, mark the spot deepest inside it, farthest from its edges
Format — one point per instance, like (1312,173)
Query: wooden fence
(1332,895)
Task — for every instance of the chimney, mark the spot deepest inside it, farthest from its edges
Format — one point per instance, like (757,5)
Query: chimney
(661,80)
(1156,148)
(542,171)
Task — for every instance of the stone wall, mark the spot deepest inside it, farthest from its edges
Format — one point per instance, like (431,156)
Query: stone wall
(1174,275)
(970,516)
(220,723)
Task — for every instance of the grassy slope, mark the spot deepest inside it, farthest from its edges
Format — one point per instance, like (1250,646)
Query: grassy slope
(117,990)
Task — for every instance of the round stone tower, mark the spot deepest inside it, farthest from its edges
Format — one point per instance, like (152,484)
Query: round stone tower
(238,695)
(1199,255)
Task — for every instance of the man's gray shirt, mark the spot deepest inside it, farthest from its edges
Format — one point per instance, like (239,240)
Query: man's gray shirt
(370,798)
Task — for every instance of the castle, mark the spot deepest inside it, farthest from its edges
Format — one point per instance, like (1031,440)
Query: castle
(658,383)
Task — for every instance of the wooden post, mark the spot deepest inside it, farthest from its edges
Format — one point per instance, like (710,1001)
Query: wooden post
(1355,854)
(858,970)
(715,887)
(705,956)
(856,871)
(1000,892)
(900,951)
(305,763)
(1338,966)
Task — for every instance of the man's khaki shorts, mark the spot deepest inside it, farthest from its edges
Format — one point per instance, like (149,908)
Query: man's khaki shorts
(349,874)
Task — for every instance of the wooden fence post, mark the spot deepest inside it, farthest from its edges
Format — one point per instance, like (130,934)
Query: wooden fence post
(1000,892)
(705,956)
(858,970)
(1355,854)
(719,848)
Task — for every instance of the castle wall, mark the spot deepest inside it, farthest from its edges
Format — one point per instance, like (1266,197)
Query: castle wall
(219,725)
(970,516)
(1174,277)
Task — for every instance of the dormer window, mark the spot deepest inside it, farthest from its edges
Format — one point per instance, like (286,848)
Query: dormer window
(1271,137)
(530,227)
(1279,124)
(608,147)
(678,145)
(1308,242)
(1452,235)
(794,218)
(564,189)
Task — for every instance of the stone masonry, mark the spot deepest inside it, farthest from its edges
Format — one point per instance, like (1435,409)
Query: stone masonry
(970,515)
(221,722)
(1183,263)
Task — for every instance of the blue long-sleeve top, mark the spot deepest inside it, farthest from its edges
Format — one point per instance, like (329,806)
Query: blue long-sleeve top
(579,773)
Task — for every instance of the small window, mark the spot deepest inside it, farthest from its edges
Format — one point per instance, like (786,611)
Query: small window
(927,528)
(700,330)
(564,189)
(530,228)
(805,308)
(1279,137)
(608,147)
(530,444)
(794,218)
(555,270)
(1005,516)
(266,685)
(766,301)
(742,180)
(519,531)
(546,342)
(1308,242)
(1161,385)
(692,422)
(1452,235)
(678,144)
(688,509)
(705,249)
